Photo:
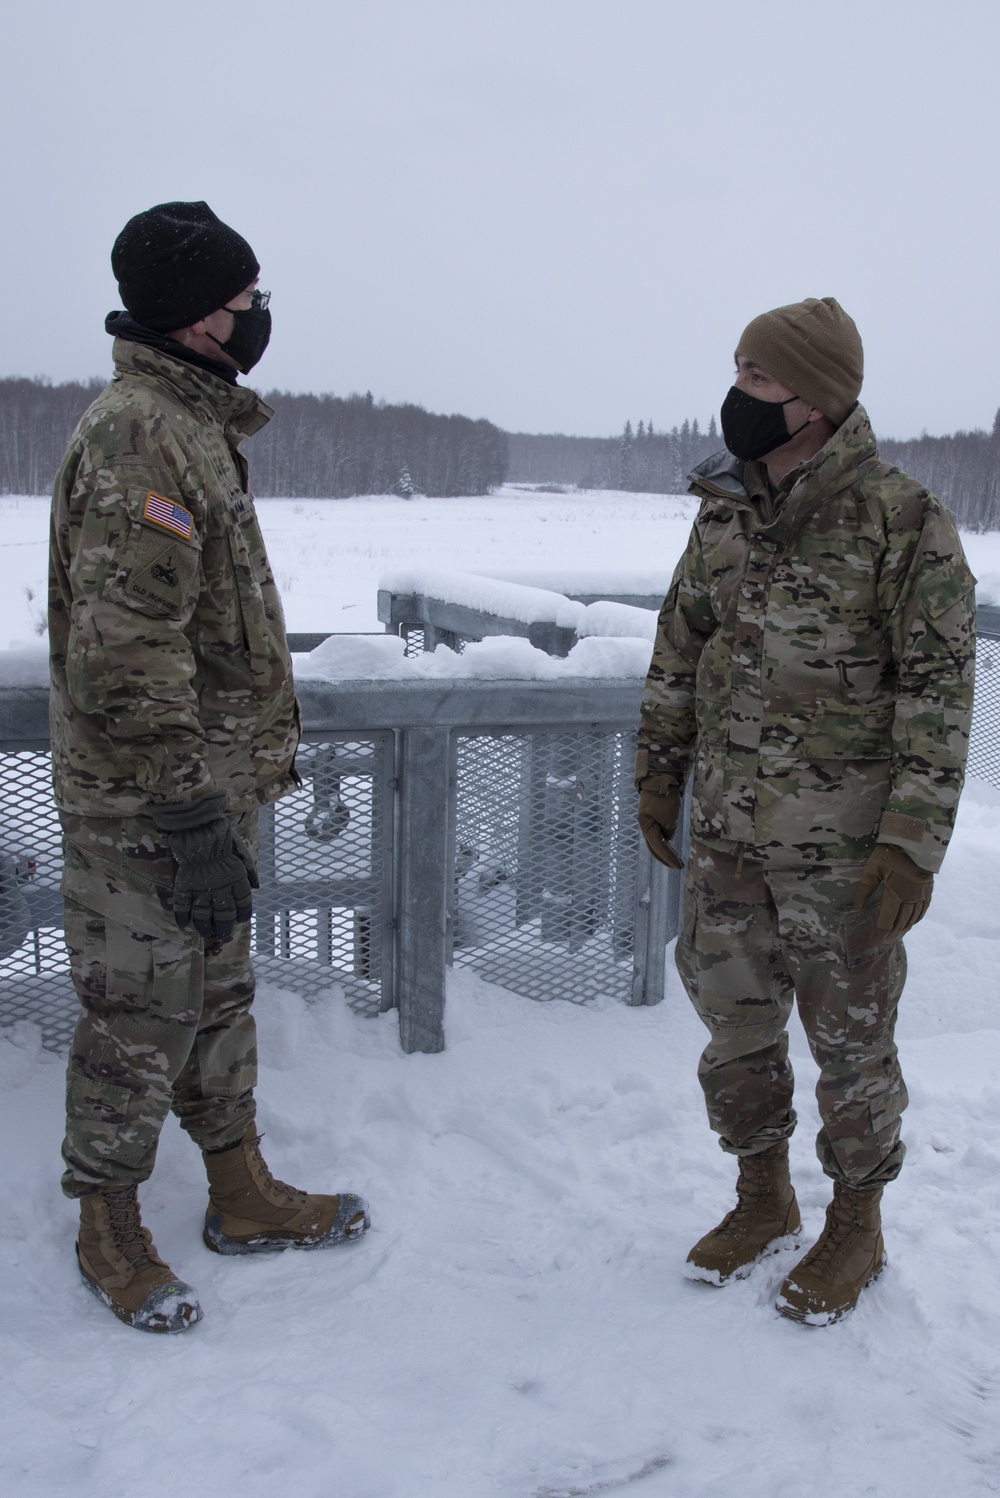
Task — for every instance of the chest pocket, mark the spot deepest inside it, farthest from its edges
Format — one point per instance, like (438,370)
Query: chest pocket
(250,570)
(725,547)
(157,569)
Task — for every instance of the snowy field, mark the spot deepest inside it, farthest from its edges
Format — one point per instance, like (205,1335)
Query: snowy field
(328,555)
(516,1325)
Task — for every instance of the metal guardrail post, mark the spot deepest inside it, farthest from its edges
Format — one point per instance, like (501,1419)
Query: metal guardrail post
(659,903)
(426,795)
(652,921)
(264,942)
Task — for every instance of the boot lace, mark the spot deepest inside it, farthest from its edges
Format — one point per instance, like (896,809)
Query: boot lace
(753,1188)
(290,1194)
(842,1222)
(126,1226)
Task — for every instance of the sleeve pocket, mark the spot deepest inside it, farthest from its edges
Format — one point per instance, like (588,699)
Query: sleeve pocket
(156,573)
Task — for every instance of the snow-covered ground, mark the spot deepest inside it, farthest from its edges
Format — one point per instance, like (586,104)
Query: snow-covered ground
(516,1323)
(328,555)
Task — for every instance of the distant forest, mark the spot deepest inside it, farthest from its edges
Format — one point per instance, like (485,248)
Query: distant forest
(642,459)
(320,446)
(326,446)
(963,469)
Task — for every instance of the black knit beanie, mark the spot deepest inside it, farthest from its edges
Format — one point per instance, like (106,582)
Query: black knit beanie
(178,262)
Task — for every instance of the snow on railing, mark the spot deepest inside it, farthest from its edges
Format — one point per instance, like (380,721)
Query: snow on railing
(496,658)
(486,595)
(453,608)
(642,588)
(619,620)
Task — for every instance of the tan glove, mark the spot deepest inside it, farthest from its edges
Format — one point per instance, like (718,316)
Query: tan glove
(906,889)
(659,810)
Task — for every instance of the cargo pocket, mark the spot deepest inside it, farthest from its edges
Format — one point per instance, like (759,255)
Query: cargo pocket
(685,959)
(227,1061)
(97,1122)
(872,964)
(129,968)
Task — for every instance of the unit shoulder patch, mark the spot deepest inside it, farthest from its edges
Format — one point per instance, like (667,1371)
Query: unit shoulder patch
(168,515)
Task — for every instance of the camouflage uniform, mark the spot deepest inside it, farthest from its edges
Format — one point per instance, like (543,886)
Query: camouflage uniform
(170,678)
(813,665)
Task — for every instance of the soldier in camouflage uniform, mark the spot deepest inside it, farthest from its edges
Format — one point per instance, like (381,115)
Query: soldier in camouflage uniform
(813,667)
(173,720)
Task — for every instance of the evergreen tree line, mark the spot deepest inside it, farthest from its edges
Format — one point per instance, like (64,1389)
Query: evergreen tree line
(963,470)
(317,446)
(641,459)
(321,446)
(327,446)
(36,419)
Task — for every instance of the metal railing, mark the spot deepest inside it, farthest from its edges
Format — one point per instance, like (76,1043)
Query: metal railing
(481,824)
(432,617)
(428,621)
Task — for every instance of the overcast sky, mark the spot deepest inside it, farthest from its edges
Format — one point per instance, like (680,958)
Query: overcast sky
(554,213)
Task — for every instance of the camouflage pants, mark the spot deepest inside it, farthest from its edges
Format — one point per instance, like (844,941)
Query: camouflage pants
(166,1020)
(756,935)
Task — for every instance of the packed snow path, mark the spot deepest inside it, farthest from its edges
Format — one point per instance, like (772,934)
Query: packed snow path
(516,1324)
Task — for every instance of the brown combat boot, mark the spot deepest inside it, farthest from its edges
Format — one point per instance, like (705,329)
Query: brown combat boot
(764,1220)
(120,1265)
(846,1257)
(249,1212)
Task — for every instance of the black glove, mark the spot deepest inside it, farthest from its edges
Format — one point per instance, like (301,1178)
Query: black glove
(214,872)
(659,810)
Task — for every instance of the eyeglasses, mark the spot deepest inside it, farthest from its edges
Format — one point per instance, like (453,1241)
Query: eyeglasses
(258,299)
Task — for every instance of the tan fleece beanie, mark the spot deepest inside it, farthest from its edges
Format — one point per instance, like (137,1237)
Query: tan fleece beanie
(814,349)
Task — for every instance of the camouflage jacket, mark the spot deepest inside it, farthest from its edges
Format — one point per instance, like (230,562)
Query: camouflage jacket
(814,659)
(170,669)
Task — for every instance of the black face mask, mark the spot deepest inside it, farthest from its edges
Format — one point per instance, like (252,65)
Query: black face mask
(752,428)
(251,334)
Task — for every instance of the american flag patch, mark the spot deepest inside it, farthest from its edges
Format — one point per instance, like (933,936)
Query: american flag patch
(172,517)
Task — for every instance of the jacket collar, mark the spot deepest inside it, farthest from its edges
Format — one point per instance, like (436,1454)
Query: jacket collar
(837,465)
(239,412)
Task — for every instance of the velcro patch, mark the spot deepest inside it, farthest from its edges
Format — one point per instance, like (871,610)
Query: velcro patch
(894,824)
(171,516)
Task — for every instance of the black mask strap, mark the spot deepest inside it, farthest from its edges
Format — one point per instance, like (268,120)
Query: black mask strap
(802,428)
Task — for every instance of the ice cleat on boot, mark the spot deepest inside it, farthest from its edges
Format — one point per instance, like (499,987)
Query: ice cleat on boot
(848,1255)
(120,1265)
(249,1212)
(764,1220)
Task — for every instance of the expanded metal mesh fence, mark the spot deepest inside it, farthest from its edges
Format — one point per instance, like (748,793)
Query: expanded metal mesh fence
(324,910)
(421,638)
(34,971)
(545,861)
(984,743)
(542,869)
(321,914)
